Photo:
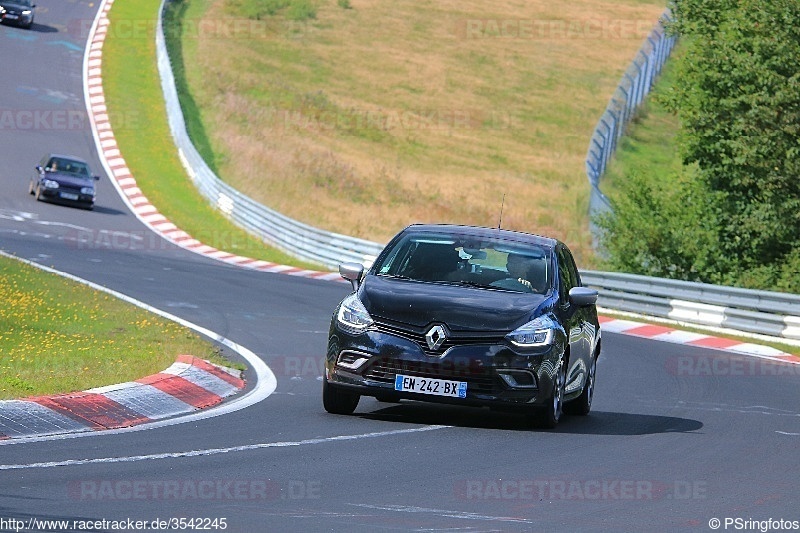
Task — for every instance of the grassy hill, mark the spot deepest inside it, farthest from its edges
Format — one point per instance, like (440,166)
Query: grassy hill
(363,116)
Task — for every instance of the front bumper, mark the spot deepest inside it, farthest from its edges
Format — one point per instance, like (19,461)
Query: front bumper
(17,18)
(74,198)
(496,374)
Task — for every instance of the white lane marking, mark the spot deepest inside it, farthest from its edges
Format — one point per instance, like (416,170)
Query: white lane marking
(265,380)
(747,409)
(790,434)
(442,512)
(217,451)
(63,225)
(17,216)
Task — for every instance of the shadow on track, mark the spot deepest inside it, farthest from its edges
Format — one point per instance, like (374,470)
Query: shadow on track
(108,210)
(596,423)
(43,28)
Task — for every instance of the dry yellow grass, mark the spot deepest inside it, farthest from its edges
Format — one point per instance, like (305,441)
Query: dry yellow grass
(364,120)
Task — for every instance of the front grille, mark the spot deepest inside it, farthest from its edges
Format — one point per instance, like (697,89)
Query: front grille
(479,380)
(454,338)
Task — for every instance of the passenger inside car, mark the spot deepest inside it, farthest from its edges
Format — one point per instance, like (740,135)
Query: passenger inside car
(433,262)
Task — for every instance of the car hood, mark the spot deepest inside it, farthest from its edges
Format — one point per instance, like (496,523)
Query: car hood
(70,179)
(13,6)
(461,308)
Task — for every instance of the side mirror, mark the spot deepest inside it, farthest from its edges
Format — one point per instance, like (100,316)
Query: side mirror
(352,272)
(582,296)
(96,178)
(38,168)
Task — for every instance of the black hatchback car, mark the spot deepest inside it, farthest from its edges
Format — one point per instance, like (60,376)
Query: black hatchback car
(468,316)
(18,12)
(64,179)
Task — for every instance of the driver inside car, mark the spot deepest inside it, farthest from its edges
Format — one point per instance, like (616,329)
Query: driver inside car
(522,274)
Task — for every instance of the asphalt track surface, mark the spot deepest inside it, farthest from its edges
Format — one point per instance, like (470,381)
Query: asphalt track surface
(678,435)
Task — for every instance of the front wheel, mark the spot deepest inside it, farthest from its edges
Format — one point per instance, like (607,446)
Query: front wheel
(549,416)
(338,402)
(583,404)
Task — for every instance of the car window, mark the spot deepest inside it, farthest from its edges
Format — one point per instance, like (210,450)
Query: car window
(69,166)
(481,262)
(566,274)
(573,270)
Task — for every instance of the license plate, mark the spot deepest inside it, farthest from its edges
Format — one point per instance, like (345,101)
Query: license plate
(11,17)
(435,387)
(69,196)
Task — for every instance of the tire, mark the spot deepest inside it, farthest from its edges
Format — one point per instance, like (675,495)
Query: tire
(338,402)
(549,416)
(583,404)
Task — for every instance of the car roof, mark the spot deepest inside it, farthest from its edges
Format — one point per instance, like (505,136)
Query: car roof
(480,231)
(65,156)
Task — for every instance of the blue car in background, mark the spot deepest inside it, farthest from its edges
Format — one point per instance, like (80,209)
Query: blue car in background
(18,12)
(64,179)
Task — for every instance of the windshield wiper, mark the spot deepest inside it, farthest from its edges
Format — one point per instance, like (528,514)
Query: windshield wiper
(472,284)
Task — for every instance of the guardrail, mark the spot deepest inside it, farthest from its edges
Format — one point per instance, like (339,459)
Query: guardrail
(631,91)
(761,312)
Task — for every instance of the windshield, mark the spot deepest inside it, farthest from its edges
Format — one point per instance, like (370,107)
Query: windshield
(68,166)
(479,262)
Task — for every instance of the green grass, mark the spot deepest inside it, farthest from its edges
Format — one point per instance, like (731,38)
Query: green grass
(325,119)
(58,336)
(132,89)
(649,146)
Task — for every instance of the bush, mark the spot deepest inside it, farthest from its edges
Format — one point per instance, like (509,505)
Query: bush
(301,10)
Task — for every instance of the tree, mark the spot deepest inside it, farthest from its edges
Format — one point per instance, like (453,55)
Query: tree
(738,99)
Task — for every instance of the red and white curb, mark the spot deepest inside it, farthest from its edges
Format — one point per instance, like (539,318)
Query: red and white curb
(125,183)
(190,384)
(668,334)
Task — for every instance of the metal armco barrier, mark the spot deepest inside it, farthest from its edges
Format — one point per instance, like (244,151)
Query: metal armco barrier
(763,312)
(298,239)
(631,91)
(768,313)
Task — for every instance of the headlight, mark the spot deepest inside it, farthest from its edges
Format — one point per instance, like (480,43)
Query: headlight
(27,12)
(87,190)
(352,316)
(537,332)
(50,184)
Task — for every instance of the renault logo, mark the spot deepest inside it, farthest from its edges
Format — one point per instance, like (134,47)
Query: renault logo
(435,337)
